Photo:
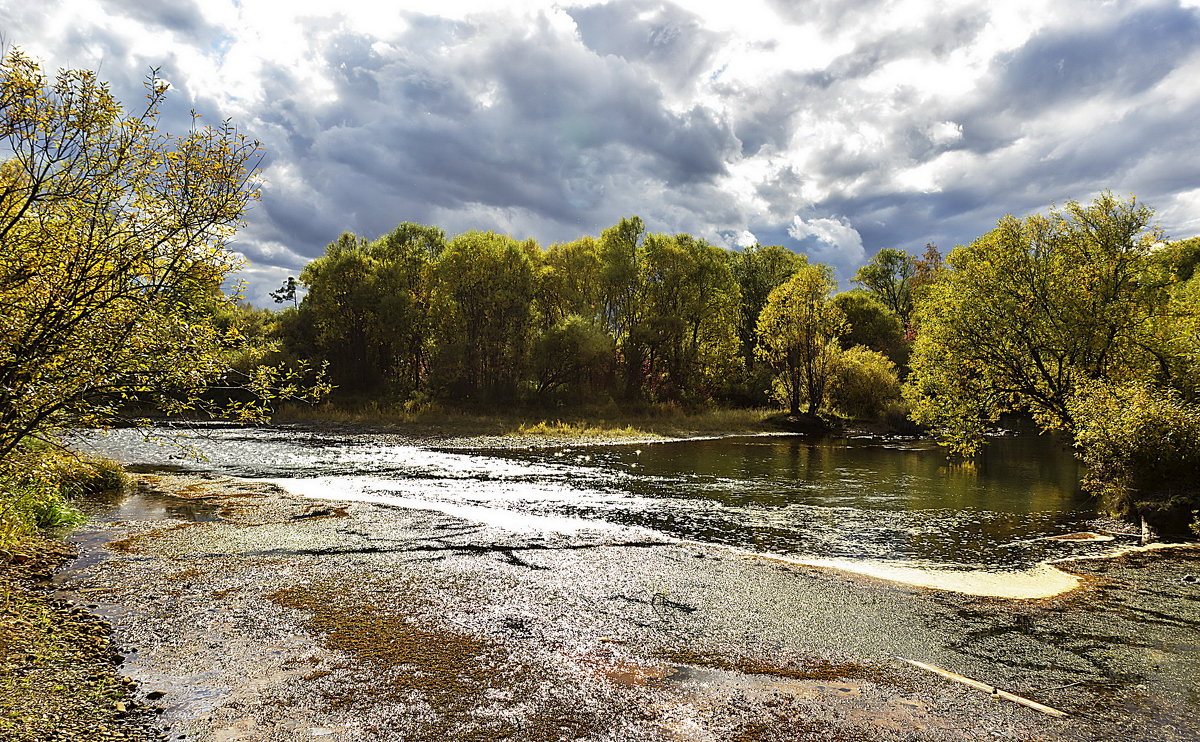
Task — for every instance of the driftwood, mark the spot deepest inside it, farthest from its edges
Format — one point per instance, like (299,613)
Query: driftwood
(985,688)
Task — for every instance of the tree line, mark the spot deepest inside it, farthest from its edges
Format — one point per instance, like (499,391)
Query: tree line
(629,316)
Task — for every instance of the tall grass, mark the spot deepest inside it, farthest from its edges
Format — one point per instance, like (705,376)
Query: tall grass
(38,483)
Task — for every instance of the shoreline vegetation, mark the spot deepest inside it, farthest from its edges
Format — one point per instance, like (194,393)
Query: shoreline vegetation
(611,422)
(58,665)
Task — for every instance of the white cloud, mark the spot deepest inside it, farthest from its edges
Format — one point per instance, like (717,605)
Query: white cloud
(745,238)
(837,241)
(944,132)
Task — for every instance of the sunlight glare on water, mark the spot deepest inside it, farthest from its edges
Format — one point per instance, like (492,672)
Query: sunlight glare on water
(888,508)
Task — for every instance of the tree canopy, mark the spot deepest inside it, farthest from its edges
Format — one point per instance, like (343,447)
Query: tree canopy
(1083,318)
(626,315)
(1033,310)
(798,331)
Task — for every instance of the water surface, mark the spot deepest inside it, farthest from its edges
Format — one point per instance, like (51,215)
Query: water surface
(897,503)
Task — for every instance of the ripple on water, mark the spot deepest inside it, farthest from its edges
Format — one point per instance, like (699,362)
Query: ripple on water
(895,510)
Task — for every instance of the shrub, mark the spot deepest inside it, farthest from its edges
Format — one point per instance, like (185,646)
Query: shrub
(37,484)
(864,383)
(1141,445)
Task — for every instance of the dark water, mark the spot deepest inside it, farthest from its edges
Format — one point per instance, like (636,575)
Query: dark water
(859,499)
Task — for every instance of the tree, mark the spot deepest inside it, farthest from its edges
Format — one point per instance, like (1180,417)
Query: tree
(1033,310)
(872,325)
(798,332)
(287,292)
(758,270)
(573,352)
(341,305)
(570,282)
(889,276)
(112,251)
(1141,446)
(484,287)
(621,278)
(402,332)
(864,383)
(690,304)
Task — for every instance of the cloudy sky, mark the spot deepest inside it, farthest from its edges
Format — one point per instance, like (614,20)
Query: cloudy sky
(835,128)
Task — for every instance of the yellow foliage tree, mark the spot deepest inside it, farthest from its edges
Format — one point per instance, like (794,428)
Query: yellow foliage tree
(798,331)
(112,252)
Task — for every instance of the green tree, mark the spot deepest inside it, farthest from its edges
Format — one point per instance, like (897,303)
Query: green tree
(403,327)
(571,281)
(889,276)
(864,383)
(1032,310)
(341,303)
(758,270)
(287,292)
(872,325)
(368,307)
(689,315)
(484,287)
(798,334)
(574,353)
(113,242)
(621,280)
(1141,446)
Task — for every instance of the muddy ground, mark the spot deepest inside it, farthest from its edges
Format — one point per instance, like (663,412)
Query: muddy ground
(247,614)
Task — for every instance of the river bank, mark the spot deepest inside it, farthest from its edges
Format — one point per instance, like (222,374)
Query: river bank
(58,679)
(263,616)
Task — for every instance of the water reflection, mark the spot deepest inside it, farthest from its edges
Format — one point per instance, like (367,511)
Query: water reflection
(833,499)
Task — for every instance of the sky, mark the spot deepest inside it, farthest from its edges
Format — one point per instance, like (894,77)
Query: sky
(832,127)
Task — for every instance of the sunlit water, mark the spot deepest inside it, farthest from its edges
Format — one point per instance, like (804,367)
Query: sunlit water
(889,505)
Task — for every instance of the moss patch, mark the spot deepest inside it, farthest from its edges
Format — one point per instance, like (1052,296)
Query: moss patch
(455,685)
(812,669)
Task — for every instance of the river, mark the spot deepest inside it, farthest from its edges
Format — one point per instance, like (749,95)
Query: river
(663,561)
(894,508)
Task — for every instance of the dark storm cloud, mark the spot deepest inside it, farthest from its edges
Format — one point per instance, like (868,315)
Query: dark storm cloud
(181,16)
(497,119)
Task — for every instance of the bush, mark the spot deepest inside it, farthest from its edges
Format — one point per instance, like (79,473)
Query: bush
(1141,445)
(864,383)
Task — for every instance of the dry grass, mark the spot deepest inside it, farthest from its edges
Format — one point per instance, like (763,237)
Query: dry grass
(606,421)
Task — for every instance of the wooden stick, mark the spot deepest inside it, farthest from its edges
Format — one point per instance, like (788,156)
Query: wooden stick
(985,688)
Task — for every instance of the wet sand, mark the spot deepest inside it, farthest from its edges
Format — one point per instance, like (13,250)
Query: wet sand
(264,616)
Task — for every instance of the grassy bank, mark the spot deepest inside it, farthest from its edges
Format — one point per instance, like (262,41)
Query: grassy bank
(596,422)
(58,677)
(38,483)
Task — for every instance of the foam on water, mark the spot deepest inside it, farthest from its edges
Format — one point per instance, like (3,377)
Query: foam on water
(1040,581)
(402,494)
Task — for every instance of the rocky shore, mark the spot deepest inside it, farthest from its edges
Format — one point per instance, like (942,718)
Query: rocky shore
(243,613)
(59,678)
